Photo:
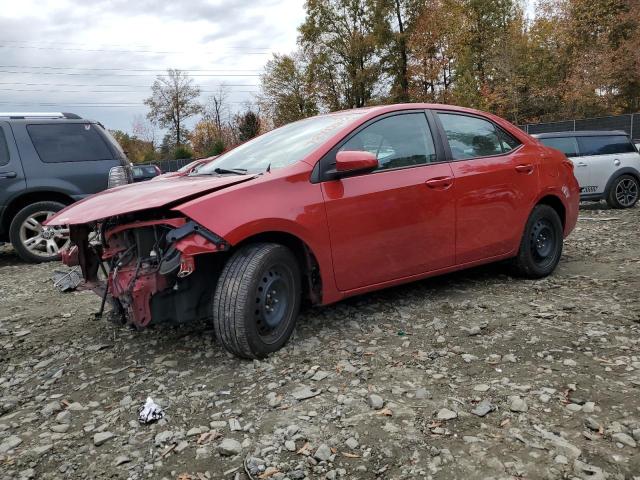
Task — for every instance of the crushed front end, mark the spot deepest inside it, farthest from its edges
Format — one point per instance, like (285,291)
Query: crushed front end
(156,269)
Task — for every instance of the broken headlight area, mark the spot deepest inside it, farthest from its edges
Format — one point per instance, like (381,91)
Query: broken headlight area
(156,270)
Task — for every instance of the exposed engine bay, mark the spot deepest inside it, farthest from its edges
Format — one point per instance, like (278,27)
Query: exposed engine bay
(148,268)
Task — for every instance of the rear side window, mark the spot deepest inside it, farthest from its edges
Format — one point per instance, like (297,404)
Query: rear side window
(605,145)
(71,142)
(567,145)
(4,149)
(470,137)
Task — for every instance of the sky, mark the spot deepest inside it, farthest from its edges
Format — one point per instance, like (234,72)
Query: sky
(99,58)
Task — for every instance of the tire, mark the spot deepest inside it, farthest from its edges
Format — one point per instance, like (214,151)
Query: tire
(33,242)
(541,244)
(257,300)
(623,192)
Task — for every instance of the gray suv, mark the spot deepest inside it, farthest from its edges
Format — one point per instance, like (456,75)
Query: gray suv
(48,161)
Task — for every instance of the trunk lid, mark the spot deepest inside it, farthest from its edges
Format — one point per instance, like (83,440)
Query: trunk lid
(142,196)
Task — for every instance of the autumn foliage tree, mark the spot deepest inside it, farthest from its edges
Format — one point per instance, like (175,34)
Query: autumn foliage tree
(573,58)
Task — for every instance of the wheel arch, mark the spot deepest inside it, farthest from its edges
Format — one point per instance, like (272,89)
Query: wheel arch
(27,198)
(617,174)
(307,260)
(556,203)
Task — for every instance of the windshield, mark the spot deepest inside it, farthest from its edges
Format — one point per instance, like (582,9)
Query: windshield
(280,147)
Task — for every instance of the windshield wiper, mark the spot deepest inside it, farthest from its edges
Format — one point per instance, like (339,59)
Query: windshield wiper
(236,171)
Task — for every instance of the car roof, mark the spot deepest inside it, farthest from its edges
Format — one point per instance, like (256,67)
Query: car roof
(581,133)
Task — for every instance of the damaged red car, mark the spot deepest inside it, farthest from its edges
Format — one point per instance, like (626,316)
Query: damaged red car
(320,210)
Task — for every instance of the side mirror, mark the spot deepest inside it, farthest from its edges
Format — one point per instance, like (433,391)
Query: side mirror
(355,161)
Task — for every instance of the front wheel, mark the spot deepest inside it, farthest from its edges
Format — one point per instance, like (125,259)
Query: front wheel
(257,299)
(624,192)
(541,244)
(31,239)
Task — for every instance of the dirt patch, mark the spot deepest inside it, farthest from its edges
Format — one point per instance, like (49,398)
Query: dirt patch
(471,375)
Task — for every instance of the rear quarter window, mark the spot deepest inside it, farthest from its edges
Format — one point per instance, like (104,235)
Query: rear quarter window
(4,149)
(71,142)
(605,145)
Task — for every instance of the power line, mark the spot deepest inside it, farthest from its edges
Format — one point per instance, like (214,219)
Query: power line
(38,42)
(64,49)
(163,70)
(128,74)
(105,91)
(111,85)
(87,104)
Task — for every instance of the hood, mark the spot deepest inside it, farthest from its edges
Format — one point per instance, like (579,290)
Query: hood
(142,196)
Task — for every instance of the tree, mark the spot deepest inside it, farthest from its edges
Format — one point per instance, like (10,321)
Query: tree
(339,38)
(137,150)
(216,107)
(207,139)
(248,125)
(287,93)
(174,98)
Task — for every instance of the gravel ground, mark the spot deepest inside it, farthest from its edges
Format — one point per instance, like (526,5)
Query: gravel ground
(470,375)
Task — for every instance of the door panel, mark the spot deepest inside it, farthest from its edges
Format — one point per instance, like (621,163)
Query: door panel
(399,220)
(390,225)
(11,175)
(496,182)
(493,198)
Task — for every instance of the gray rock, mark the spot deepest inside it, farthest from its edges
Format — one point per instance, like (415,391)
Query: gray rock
(517,404)
(323,453)
(64,417)
(375,401)
(290,445)
(624,439)
(121,460)
(483,408)
(352,443)
(102,437)
(229,447)
(446,414)
(304,392)
(10,443)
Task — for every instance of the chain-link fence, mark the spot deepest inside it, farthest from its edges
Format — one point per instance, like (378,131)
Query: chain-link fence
(173,165)
(629,123)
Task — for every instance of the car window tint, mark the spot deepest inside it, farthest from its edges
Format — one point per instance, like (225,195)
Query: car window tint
(567,145)
(605,145)
(71,142)
(507,142)
(470,137)
(397,141)
(4,149)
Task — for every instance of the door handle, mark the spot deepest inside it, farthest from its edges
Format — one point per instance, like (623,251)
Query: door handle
(581,164)
(440,182)
(8,174)
(528,168)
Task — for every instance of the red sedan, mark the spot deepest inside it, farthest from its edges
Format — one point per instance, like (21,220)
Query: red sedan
(322,209)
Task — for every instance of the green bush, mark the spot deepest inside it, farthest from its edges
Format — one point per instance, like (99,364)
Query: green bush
(182,152)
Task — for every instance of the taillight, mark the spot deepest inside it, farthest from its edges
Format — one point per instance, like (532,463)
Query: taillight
(118,176)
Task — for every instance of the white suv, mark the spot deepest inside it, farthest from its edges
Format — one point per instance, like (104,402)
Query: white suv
(607,164)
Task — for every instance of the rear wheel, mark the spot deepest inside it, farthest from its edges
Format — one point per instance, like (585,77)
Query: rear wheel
(31,239)
(541,244)
(257,299)
(623,192)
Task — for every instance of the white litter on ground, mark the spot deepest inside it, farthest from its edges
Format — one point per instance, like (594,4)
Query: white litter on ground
(150,412)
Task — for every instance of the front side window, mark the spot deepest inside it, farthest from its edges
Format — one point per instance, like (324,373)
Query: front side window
(567,145)
(470,137)
(398,141)
(68,142)
(4,149)
(605,145)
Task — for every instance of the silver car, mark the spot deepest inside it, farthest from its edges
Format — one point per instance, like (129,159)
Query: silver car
(607,164)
